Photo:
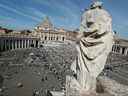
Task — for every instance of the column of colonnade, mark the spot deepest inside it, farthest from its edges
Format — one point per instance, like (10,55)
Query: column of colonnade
(12,43)
(121,50)
(27,41)
(113,48)
(16,44)
(126,51)
(22,43)
(53,37)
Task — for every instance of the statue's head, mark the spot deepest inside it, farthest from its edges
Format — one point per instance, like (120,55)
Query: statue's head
(96,4)
(97,18)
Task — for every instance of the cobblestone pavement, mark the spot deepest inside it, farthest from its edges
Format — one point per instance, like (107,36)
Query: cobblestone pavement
(25,71)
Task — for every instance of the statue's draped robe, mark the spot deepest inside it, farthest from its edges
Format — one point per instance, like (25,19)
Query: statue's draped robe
(95,43)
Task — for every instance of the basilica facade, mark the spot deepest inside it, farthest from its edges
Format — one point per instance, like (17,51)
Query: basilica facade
(46,31)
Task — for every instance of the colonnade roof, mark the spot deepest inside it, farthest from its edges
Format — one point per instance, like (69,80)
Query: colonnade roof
(121,41)
(117,38)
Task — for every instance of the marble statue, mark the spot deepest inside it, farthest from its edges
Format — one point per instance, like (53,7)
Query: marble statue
(95,41)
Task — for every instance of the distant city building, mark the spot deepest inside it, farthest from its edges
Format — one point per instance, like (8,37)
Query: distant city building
(5,31)
(120,46)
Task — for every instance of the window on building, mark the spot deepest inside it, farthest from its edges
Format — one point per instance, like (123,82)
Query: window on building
(45,37)
(57,38)
(63,38)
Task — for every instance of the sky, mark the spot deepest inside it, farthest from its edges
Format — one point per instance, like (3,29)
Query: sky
(27,14)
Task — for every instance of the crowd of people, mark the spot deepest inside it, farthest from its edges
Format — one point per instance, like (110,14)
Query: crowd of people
(50,64)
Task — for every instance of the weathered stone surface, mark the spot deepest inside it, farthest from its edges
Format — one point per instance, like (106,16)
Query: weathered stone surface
(112,87)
